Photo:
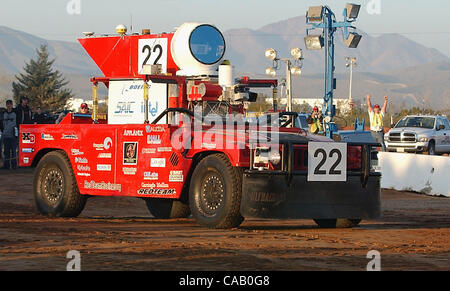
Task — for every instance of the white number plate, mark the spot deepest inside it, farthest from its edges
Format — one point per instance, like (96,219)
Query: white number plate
(153,51)
(327,161)
(400,150)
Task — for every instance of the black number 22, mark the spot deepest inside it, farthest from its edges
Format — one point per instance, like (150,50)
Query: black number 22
(149,54)
(333,171)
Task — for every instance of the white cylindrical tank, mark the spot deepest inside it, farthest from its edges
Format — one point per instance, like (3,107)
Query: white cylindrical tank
(226,76)
(198,49)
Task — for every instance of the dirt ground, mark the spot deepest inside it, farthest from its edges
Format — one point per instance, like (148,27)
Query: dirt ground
(119,234)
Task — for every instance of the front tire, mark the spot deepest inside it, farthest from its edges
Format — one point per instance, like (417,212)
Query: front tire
(432,148)
(55,188)
(215,193)
(167,208)
(337,223)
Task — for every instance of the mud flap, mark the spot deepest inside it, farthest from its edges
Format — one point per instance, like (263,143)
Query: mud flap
(269,196)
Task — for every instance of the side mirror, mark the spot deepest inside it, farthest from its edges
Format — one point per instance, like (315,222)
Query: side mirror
(441,127)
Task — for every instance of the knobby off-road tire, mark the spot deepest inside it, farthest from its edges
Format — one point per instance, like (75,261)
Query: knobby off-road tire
(215,193)
(55,188)
(337,223)
(167,208)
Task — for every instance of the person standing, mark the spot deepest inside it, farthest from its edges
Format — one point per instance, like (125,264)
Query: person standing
(24,113)
(376,116)
(9,136)
(315,121)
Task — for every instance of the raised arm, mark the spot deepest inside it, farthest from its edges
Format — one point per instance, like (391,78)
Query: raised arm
(385,105)
(369,104)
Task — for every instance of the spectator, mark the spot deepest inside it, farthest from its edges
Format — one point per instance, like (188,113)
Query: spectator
(2,110)
(39,117)
(9,136)
(315,121)
(376,116)
(23,112)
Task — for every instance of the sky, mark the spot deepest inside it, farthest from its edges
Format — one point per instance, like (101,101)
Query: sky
(427,22)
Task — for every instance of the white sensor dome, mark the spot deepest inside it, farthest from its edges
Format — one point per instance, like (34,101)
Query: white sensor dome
(198,49)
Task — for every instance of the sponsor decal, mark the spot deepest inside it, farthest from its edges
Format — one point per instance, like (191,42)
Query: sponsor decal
(130,153)
(47,137)
(158,163)
(69,136)
(153,185)
(81,160)
(107,144)
(176,176)
(104,168)
(26,160)
(83,168)
(129,171)
(124,107)
(162,185)
(27,150)
(164,150)
(151,176)
(28,138)
(157,192)
(104,156)
(148,151)
(76,152)
(84,174)
(133,132)
(154,139)
(150,129)
(102,186)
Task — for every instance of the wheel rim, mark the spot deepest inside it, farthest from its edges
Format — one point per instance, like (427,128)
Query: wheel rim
(53,186)
(212,193)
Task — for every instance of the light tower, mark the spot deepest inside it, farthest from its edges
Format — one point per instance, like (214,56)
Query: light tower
(293,67)
(350,63)
(321,17)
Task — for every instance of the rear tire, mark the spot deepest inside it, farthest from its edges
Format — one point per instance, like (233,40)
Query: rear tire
(337,223)
(215,193)
(167,208)
(55,188)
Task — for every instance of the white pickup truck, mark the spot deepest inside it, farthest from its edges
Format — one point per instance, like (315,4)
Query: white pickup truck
(420,133)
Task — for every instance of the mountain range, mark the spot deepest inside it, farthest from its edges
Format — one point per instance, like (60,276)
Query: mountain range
(391,64)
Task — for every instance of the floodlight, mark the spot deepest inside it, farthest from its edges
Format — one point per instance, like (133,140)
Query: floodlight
(352,10)
(296,53)
(353,40)
(271,54)
(296,71)
(271,72)
(315,14)
(314,42)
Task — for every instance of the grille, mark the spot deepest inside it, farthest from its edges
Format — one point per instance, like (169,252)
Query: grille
(406,137)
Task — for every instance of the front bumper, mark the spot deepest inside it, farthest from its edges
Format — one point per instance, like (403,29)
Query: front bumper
(406,147)
(269,196)
(287,194)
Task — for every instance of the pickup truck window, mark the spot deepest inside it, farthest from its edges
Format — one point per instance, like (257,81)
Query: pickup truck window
(421,122)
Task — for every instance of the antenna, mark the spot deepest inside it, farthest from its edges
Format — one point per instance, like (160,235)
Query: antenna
(131,26)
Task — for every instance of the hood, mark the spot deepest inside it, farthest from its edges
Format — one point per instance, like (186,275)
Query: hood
(417,130)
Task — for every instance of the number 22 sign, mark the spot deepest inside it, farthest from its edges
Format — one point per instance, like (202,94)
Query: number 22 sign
(153,51)
(327,161)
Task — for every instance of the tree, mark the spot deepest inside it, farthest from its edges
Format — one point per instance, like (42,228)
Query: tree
(42,85)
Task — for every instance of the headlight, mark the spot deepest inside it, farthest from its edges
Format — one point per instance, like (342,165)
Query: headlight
(424,139)
(275,157)
(263,156)
(386,137)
